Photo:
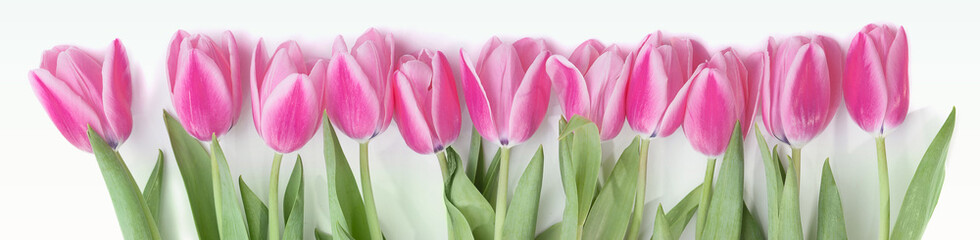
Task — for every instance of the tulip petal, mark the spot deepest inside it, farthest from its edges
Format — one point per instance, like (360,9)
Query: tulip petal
(260,59)
(291,114)
(604,70)
(653,85)
(318,77)
(757,66)
(570,86)
(287,59)
(445,102)
(528,50)
(501,77)
(354,104)
(835,63)
(477,102)
(230,46)
(611,108)
(67,110)
(711,112)
(488,48)
(173,54)
(201,98)
(806,96)
(118,92)
(585,54)
(530,102)
(83,74)
(897,80)
(412,124)
(49,59)
(865,93)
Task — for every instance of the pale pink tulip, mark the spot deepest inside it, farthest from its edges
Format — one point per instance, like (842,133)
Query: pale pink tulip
(661,69)
(592,83)
(426,103)
(287,99)
(508,89)
(719,94)
(78,91)
(205,85)
(359,90)
(801,86)
(876,78)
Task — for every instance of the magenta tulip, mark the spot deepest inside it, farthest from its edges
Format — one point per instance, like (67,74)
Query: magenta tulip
(719,94)
(205,83)
(802,90)
(359,88)
(876,78)
(592,83)
(426,104)
(78,91)
(287,99)
(508,89)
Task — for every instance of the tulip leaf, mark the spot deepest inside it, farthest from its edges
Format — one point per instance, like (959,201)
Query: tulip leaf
(488,186)
(463,197)
(725,209)
(679,216)
(610,213)
(927,182)
(790,225)
(348,219)
(522,212)
(194,164)
(151,192)
(580,155)
(774,180)
(320,235)
(133,213)
(661,227)
(475,166)
(551,233)
(830,213)
(751,230)
(231,223)
(293,203)
(256,213)
(459,228)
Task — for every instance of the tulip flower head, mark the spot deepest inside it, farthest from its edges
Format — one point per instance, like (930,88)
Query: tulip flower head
(287,98)
(426,103)
(876,78)
(78,91)
(719,93)
(592,83)
(801,86)
(205,85)
(359,85)
(507,90)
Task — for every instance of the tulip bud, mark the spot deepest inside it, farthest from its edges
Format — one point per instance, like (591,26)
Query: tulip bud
(359,88)
(720,93)
(287,99)
(660,70)
(876,79)
(79,91)
(507,91)
(592,83)
(205,83)
(426,104)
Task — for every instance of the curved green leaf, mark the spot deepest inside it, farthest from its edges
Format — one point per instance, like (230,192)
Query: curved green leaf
(194,164)
(151,192)
(751,230)
(830,213)
(256,213)
(488,185)
(774,180)
(927,182)
(231,223)
(725,209)
(551,233)
(320,235)
(348,219)
(293,203)
(611,210)
(790,225)
(465,198)
(475,168)
(661,227)
(135,219)
(522,212)
(459,228)
(580,155)
(679,216)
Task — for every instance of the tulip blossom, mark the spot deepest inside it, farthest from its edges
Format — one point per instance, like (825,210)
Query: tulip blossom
(287,96)
(205,83)
(79,91)
(592,83)
(359,89)
(719,94)
(426,104)
(876,78)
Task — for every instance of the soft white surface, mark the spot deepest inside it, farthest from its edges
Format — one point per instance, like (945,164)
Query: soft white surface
(50,190)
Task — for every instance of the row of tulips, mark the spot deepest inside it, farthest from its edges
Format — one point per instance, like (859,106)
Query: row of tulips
(666,83)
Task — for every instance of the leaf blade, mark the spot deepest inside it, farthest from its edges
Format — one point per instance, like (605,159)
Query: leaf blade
(194,164)
(611,210)
(926,184)
(347,214)
(134,216)
(725,208)
(522,212)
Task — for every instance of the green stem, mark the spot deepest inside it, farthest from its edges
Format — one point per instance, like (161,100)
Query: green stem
(369,207)
(441,155)
(884,218)
(796,163)
(641,190)
(216,188)
(501,204)
(274,197)
(709,176)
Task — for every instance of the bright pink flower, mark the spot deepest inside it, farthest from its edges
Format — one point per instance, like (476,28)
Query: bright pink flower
(660,70)
(801,86)
(78,91)
(592,83)
(507,91)
(876,79)
(287,99)
(720,93)
(204,83)
(359,89)
(426,104)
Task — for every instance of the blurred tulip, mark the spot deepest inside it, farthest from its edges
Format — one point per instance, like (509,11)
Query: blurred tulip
(426,104)
(876,79)
(287,99)
(719,94)
(79,92)
(359,88)
(507,91)
(204,83)
(592,83)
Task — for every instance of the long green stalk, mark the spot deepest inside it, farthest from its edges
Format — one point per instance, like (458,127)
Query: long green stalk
(441,155)
(796,163)
(501,204)
(274,197)
(369,207)
(884,217)
(641,191)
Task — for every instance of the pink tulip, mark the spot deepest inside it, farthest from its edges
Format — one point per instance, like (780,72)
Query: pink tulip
(205,83)
(719,94)
(592,83)
(507,91)
(79,92)
(287,99)
(801,86)
(359,88)
(426,104)
(660,70)
(876,79)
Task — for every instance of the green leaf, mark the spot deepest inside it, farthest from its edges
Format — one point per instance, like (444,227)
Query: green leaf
(194,164)
(132,212)
(320,235)
(522,213)
(475,168)
(552,233)
(459,228)
(579,160)
(231,223)
(751,230)
(725,208)
(256,213)
(611,211)
(293,203)
(661,227)
(774,180)
(347,216)
(830,214)
(790,226)
(927,182)
(488,186)
(151,192)
(465,198)
(679,216)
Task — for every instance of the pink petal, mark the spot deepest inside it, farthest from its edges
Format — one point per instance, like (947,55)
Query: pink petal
(83,74)
(49,59)
(67,110)
(805,96)
(501,76)
(235,84)
(445,102)
(604,70)
(291,114)
(117,95)
(417,132)
(757,66)
(835,63)
(477,102)
(318,77)
(653,84)
(354,104)
(287,59)
(260,59)
(528,50)
(612,106)
(570,86)
(865,90)
(488,48)
(897,80)
(339,46)
(173,54)
(711,113)
(201,98)
(585,54)
(530,102)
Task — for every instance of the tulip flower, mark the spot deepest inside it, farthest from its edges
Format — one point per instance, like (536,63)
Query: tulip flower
(719,94)
(204,83)
(652,107)
(592,83)
(507,94)
(78,91)
(360,95)
(876,93)
(426,104)
(287,100)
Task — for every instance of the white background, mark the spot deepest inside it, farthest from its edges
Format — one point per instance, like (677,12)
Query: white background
(50,190)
